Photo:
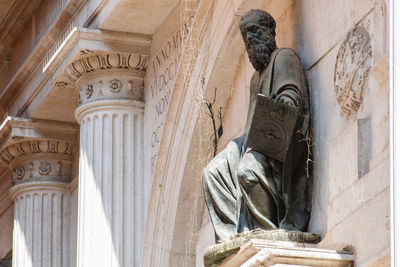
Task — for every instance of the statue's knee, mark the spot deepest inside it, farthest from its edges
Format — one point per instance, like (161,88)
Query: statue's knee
(246,176)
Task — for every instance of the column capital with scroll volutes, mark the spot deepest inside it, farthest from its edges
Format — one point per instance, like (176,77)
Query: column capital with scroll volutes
(37,151)
(106,75)
(106,79)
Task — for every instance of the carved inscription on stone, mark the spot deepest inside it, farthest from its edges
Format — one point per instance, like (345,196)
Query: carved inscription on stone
(162,72)
(353,63)
(108,88)
(43,159)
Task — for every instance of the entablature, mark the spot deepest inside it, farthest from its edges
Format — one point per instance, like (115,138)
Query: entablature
(52,93)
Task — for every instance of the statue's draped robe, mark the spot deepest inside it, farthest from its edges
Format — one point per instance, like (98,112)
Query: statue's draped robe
(245,189)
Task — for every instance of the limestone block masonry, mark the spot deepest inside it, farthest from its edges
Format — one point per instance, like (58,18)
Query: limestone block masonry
(111,186)
(40,161)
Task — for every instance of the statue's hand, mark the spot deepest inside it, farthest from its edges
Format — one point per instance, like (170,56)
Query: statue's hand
(285,99)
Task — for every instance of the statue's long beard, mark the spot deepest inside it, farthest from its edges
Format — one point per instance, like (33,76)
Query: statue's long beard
(260,53)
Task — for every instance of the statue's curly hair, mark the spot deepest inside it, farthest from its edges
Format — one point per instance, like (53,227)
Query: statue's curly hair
(261,16)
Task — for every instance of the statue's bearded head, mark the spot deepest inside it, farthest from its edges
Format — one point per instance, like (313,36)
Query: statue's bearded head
(258,31)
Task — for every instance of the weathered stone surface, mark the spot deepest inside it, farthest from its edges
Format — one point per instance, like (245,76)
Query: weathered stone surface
(258,252)
(217,253)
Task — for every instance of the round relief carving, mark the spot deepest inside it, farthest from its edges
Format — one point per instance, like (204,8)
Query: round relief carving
(19,173)
(115,85)
(353,63)
(44,168)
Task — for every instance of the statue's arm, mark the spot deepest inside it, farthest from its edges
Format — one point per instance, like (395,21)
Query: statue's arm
(290,95)
(290,79)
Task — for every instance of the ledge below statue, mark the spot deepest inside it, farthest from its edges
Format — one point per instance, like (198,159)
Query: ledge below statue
(267,248)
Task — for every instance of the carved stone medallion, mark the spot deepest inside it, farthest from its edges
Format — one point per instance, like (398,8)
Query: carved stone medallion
(115,86)
(353,63)
(44,168)
(19,173)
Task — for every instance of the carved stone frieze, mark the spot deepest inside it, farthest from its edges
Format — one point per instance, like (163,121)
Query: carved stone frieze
(123,87)
(102,75)
(39,160)
(57,170)
(353,63)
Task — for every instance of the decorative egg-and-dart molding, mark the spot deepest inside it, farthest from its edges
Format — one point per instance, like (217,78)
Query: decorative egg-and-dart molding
(100,61)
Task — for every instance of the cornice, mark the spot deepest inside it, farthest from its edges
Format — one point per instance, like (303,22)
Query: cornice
(14,129)
(79,43)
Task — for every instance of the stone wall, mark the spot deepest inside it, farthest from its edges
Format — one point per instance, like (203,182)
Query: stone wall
(351,186)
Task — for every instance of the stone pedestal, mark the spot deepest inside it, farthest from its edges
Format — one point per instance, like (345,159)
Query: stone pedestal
(40,161)
(274,248)
(111,186)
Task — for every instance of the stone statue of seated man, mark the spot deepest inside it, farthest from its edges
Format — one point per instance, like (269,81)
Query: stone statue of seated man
(245,189)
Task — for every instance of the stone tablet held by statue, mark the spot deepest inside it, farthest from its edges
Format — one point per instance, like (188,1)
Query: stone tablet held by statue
(272,127)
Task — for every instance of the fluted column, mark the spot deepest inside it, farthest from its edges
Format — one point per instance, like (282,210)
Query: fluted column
(41,172)
(110,114)
(41,225)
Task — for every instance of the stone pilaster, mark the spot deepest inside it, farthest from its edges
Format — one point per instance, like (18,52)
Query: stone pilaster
(40,161)
(111,201)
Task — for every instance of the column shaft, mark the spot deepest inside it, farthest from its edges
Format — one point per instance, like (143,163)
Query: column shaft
(41,225)
(111,204)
